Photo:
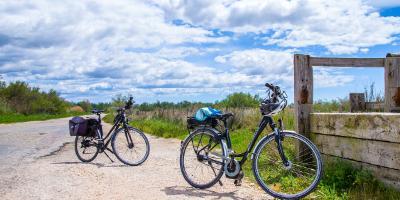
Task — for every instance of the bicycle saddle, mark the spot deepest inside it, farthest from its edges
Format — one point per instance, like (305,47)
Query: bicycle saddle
(95,111)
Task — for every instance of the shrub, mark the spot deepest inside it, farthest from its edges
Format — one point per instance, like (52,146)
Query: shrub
(76,109)
(19,97)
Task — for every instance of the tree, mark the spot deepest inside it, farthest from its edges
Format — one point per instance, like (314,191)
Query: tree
(239,100)
(85,105)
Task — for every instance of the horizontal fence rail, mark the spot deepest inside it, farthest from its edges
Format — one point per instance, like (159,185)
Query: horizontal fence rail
(347,62)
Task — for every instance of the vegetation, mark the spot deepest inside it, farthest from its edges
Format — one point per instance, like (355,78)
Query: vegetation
(13,117)
(239,100)
(19,102)
(18,97)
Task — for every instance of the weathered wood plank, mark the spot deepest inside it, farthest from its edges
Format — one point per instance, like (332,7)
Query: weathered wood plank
(375,106)
(303,95)
(347,62)
(357,102)
(368,151)
(392,84)
(372,126)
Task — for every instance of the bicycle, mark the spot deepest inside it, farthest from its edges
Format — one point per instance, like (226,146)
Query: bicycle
(129,145)
(279,167)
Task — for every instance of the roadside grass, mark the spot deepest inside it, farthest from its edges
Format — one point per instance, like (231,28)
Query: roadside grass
(13,118)
(340,181)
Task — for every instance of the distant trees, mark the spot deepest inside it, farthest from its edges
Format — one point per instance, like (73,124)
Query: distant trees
(85,105)
(235,100)
(19,97)
(240,100)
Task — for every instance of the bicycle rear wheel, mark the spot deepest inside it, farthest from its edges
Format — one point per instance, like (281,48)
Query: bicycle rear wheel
(295,180)
(86,148)
(130,146)
(201,159)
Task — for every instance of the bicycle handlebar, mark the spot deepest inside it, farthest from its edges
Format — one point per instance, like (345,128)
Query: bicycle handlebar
(129,104)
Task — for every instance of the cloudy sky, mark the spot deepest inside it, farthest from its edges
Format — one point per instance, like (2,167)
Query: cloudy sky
(196,50)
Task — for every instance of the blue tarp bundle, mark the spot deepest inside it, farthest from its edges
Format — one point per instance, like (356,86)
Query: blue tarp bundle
(206,112)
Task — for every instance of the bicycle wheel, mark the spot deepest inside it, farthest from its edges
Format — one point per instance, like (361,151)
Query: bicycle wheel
(130,146)
(297,179)
(86,148)
(201,159)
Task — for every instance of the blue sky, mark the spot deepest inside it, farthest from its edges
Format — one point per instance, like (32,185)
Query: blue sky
(200,50)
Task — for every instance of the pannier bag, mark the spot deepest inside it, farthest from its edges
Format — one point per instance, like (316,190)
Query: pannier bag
(206,112)
(79,126)
(203,117)
(192,123)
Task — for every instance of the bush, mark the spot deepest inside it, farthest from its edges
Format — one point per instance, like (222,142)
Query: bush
(85,105)
(19,97)
(76,109)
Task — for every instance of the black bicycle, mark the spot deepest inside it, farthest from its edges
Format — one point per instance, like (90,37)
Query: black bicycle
(285,164)
(128,144)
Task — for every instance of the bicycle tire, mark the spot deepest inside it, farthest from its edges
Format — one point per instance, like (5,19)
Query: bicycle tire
(297,195)
(183,165)
(118,153)
(77,152)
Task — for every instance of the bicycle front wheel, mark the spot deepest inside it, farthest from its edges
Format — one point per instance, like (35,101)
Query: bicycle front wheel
(130,146)
(295,180)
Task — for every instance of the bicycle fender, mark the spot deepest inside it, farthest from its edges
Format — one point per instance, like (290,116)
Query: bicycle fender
(211,130)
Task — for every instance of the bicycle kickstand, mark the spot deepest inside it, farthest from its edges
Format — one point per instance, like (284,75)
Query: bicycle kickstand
(238,180)
(108,155)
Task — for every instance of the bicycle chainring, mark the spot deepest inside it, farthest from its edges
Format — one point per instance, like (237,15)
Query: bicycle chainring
(232,168)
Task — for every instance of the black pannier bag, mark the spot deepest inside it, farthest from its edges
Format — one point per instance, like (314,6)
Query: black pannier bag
(79,126)
(93,125)
(192,122)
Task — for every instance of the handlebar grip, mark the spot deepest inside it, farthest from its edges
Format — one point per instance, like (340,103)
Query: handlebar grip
(270,86)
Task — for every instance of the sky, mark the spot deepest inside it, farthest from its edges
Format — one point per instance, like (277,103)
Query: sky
(197,50)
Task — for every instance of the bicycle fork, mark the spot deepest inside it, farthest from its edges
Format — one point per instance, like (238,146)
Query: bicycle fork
(278,140)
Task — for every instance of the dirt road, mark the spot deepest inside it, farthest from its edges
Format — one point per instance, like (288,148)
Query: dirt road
(38,162)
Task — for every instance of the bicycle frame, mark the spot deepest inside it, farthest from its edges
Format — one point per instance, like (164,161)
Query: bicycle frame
(119,119)
(266,120)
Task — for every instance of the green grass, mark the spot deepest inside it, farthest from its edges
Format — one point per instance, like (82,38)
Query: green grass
(12,118)
(340,181)
(161,128)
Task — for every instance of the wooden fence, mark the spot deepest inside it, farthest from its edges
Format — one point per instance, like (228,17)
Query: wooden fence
(369,140)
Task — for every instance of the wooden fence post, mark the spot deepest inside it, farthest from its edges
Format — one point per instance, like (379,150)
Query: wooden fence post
(357,102)
(303,95)
(392,83)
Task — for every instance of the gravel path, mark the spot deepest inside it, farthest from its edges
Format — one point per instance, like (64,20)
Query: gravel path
(38,162)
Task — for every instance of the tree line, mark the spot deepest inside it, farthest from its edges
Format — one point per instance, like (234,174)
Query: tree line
(20,98)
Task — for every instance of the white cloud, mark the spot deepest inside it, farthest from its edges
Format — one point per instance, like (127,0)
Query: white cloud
(277,67)
(259,62)
(342,26)
(325,77)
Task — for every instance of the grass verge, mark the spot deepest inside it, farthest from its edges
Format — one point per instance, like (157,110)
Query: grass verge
(12,118)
